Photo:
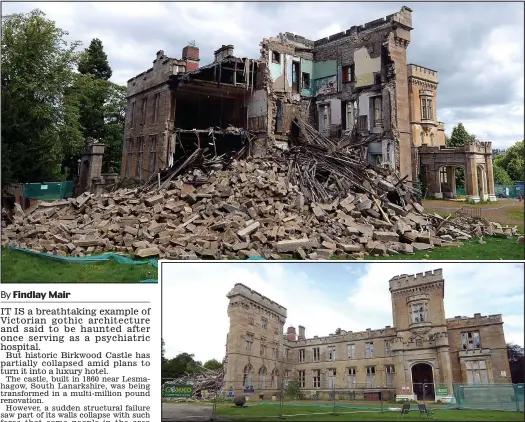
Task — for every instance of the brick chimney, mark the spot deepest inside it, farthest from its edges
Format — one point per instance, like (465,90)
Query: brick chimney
(190,54)
(290,334)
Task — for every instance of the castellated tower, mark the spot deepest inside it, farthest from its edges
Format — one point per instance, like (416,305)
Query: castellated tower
(418,300)
(254,347)
(421,347)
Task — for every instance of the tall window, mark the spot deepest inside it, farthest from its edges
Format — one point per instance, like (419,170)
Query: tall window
(351,378)
(370,377)
(387,348)
(302,354)
(141,156)
(423,109)
(286,378)
(317,354)
(369,350)
(377,112)
(156,108)
(477,372)
(262,377)
(317,378)
(133,114)
(390,376)
(349,116)
(264,323)
(143,117)
(431,139)
(430,115)
(422,138)
(276,352)
(152,154)
(471,340)
(419,313)
(247,379)
(331,353)
(332,374)
(351,351)
(249,342)
(275,376)
(129,157)
(302,379)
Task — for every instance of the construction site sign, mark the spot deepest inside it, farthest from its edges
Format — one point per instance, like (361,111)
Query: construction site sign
(185,391)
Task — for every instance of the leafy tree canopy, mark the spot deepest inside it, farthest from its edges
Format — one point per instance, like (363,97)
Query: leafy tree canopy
(38,123)
(95,62)
(513,161)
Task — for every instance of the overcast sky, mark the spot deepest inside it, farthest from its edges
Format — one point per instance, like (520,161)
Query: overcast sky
(477,48)
(323,297)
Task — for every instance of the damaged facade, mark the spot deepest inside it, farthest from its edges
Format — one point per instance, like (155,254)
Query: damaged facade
(421,351)
(355,86)
(173,106)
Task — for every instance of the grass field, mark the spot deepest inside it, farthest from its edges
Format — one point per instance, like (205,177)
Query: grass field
(19,267)
(494,248)
(505,211)
(320,413)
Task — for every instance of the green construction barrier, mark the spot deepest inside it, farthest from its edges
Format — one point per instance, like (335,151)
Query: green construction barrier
(49,191)
(121,259)
(489,396)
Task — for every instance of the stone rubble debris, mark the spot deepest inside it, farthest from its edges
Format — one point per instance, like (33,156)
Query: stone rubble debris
(314,202)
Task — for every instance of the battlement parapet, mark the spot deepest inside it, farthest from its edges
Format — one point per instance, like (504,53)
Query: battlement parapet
(421,72)
(403,17)
(244,291)
(477,319)
(346,336)
(404,281)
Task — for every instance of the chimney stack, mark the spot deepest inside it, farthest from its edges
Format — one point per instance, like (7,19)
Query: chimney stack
(290,334)
(301,332)
(190,54)
(223,52)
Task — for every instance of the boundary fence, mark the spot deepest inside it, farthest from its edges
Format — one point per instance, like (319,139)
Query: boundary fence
(266,398)
(507,397)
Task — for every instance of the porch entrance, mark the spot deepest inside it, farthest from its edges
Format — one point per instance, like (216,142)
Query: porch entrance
(423,381)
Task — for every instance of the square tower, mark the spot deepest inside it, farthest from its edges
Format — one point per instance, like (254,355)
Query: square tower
(417,301)
(254,347)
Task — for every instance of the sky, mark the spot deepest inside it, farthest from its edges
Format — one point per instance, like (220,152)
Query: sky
(477,48)
(323,297)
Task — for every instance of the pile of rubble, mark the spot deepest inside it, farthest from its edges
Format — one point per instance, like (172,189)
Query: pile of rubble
(244,211)
(318,200)
(206,385)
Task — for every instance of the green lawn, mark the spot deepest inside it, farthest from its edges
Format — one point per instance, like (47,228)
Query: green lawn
(494,249)
(254,412)
(19,267)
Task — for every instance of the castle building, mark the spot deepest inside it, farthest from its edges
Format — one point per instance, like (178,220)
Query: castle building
(420,357)
(356,86)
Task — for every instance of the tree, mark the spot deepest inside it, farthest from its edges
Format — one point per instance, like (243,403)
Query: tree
(458,138)
(515,354)
(113,137)
(95,62)
(501,177)
(212,364)
(163,352)
(513,161)
(39,125)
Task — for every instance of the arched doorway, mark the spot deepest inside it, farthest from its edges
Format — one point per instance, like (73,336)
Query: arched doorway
(423,381)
